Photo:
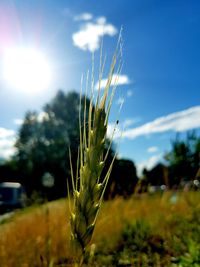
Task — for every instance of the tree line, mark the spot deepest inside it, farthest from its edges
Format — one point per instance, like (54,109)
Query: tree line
(42,162)
(181,165)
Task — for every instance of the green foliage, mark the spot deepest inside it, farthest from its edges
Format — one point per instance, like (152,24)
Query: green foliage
(184,158)
(136,235)
(174,242)
(182,164)
(43,143)
(192,257)
(140,245)
(123,179)
(43,147)
(156,176)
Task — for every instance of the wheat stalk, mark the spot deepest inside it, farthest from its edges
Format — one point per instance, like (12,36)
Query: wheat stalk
(88,191)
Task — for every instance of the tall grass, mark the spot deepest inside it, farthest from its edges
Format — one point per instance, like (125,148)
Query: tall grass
(23,238)
(88,187)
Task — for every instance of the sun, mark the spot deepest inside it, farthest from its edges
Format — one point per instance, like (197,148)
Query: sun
(26,70)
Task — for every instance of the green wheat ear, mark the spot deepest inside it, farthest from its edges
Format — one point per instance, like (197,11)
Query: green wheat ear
(88,191)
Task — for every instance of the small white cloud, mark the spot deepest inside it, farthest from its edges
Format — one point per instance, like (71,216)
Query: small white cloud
(101,20)
(129,93)
(90,34)
(152,149)
(119,127)
(149,163)
(18,121)
(7,141)
(5,133)
(113,131)
(179,121)
(129,122)
(7,153)
(116,79)
(7,148)
(120,101)
(83,16)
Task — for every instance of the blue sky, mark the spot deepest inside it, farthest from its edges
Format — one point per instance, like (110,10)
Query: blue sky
(160,77)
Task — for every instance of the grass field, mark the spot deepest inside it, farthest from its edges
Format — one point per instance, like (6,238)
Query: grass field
(157,230)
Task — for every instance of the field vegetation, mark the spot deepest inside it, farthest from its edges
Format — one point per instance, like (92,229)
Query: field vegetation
(144,230)
(141,229)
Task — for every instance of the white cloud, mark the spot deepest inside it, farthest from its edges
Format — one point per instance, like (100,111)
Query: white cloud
(101,20)
(152,149)
(120,101)
(113,130)
(129,93)
(5,133)
(18,121)
(7,148)
(128,122)
(7,153)
(84,16)
(149,163)
(116,79)
(90,33)
(119,127)
(179,121)
(7,141)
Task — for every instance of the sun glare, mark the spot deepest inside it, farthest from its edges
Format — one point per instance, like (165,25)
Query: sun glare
(26,70)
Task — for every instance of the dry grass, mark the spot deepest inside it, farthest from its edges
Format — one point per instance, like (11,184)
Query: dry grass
(35,238)
(155,209)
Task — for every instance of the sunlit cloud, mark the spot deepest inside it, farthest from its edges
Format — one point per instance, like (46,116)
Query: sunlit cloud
(83,16)
(152,149)
(149,163)
(178,122)
(116,79)
(7,141)
(90,34)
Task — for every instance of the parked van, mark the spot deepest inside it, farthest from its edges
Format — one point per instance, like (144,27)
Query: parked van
(12,196)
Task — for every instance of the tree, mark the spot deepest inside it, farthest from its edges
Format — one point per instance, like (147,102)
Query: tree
(184,158)
(9,172)
(43,144)
(44,140)
(157,176)
(43,149)
(123,179)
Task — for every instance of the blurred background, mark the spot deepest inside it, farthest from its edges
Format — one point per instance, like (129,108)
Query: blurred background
(151,213)
(45,47)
